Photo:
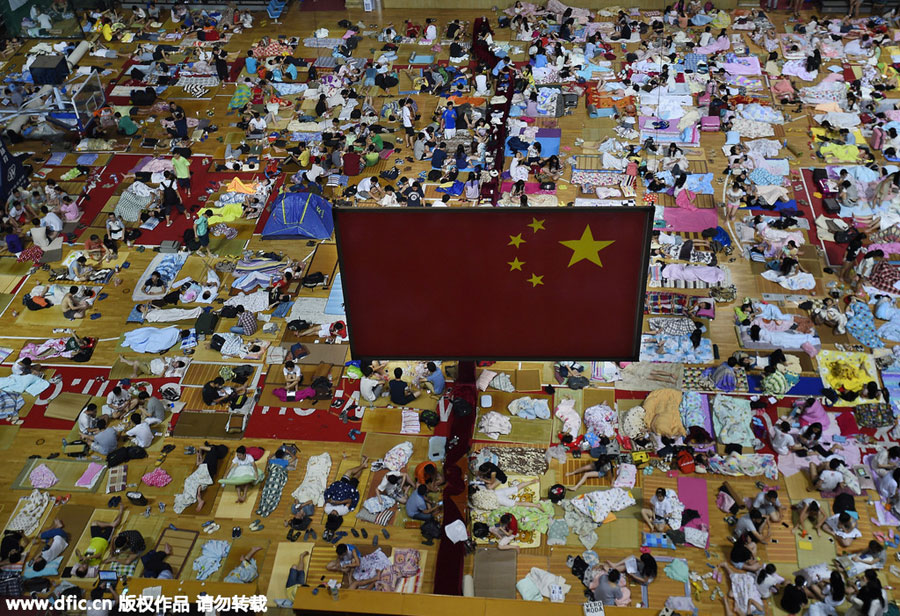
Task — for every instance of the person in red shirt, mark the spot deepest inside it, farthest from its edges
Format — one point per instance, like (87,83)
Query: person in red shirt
(506,530)
(95,248)
(569,442)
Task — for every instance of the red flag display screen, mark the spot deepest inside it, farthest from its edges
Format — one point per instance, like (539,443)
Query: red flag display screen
(479,283)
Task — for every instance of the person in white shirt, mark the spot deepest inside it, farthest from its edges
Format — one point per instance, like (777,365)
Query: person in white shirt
(56,540)
(842,526)
(26,366)
(86,420)
(430,31)
(885,461)
(825,476)
(768,504)
(141,433)
(368,188)
(242,458)
(782,440)
(257,124)
(656,516)
(887,487)
(51,220)
(313,172)
(371,385)
(292,376)
(518,170)
(118,402)
(406,116)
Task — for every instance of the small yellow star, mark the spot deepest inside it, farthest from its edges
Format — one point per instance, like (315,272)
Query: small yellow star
(537,225)
(586,248)
(515,240)
(535,280)
(515,264)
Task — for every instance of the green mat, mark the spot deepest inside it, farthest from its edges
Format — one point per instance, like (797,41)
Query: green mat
(625,531)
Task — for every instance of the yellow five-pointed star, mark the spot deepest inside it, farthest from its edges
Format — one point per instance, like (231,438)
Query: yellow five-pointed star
(515,240)
(535,280)
(515,264)
(586,247)
(536,224)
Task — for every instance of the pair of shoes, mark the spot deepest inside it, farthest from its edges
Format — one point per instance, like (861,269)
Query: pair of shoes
(256,525)
(293,535)
(211,528)
(327,535)
(236,532)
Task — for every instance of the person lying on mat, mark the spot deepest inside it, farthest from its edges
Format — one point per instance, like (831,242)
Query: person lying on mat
(157,366)
(247,569)
(101,532)
(342,496)
(282,458)
(401,392)
(754,524)
(127,547)
(55,541)
(155,285)
(300,520)
(347,560)
(642,570)
(155,565)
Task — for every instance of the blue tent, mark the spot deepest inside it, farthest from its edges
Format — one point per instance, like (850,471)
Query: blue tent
(296,215)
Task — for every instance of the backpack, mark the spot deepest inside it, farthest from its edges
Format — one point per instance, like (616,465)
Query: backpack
(462,407)
(390,174)
(548,186)
(190,240)
(430,418)
(117,457)
(299,325)
(36,303)
(216,342)
(206,322)
(228,312)
(430,530)
(322,386)
(313,280)
(170,392)
(556,493)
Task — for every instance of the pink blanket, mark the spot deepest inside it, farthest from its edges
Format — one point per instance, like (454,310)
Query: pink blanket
(89,476)
(703,273)
(682,219)
(42,477)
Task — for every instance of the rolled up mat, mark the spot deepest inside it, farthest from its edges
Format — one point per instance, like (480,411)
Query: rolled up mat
(468,586)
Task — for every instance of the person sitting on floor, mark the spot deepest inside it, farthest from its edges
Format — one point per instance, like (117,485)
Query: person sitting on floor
(105,440)
(72,307)
(141,433)
(293,377)
(754,524)
(401,392)
(842,527)
(347,560)
(826,477)
(655,517)
(768,504)
(127,547)
(418,507)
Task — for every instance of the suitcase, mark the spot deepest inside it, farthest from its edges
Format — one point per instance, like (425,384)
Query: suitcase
(169,246)
(832,206)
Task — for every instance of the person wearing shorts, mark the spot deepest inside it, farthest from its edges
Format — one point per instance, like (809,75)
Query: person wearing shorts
(101,532)
(201,233)
(182,167)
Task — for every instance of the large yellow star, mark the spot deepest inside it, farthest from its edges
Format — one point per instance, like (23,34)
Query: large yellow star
(535,280)
(586,247)
(537,225)
(515,264)
(515,240)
